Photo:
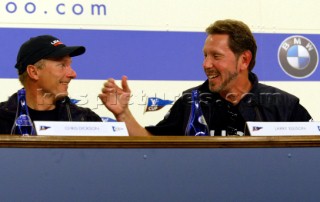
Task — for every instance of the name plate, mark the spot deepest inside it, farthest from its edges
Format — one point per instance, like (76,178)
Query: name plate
(70,128)
(283,128)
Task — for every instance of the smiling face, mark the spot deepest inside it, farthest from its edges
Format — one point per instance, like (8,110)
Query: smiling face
(220,63)
(55,76)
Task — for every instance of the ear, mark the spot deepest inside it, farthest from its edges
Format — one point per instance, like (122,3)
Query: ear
(33,72)
(245,59)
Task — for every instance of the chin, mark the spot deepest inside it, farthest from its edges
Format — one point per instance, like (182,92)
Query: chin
(62,95)
(213,87)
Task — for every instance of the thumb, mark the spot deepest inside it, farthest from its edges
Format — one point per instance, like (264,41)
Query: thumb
(124,84)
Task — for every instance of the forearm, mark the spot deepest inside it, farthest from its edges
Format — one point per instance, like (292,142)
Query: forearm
(134,128)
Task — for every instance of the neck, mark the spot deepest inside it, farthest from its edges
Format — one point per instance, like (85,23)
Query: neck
(38,100)
(235,94)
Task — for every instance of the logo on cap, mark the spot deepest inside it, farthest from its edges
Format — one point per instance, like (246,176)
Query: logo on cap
(298,57)
(56,42)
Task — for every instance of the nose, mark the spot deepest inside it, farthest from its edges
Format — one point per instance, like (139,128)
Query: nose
(207,63)
(71,73)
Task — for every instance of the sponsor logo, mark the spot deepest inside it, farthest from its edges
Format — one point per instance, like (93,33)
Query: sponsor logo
(154,104)
(298,57)
(256,128)
(56,42)
(74,101)
(44,127)
(116,128)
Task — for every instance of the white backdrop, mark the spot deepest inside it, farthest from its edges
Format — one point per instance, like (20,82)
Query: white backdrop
(263,16)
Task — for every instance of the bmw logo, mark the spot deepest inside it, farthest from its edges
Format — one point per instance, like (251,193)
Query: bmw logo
(298,57)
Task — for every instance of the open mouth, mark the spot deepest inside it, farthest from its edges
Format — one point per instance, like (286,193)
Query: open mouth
(212,76)
(64,83)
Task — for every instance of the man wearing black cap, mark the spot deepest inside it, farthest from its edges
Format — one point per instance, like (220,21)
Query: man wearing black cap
(44,67)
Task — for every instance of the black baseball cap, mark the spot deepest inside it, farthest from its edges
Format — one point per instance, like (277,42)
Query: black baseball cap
(42,47)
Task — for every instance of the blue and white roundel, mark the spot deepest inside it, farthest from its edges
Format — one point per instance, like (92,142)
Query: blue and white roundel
(298,57)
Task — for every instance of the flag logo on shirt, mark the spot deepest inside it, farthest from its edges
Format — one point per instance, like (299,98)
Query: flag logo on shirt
(154,104)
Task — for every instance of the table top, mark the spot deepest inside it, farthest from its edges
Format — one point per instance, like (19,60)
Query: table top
(14,141)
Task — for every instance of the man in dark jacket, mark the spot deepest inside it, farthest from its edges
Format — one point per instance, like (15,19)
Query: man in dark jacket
(44,68)
(230,96)
(262,103)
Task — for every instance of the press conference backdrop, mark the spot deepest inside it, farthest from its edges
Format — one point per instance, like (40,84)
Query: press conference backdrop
(158,45)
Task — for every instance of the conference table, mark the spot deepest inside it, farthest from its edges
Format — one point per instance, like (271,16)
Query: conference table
(105,168)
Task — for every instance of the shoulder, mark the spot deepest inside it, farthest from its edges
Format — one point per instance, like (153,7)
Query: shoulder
(9,106)
(88,113)
(266,92)
(82,113)
(276,102)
